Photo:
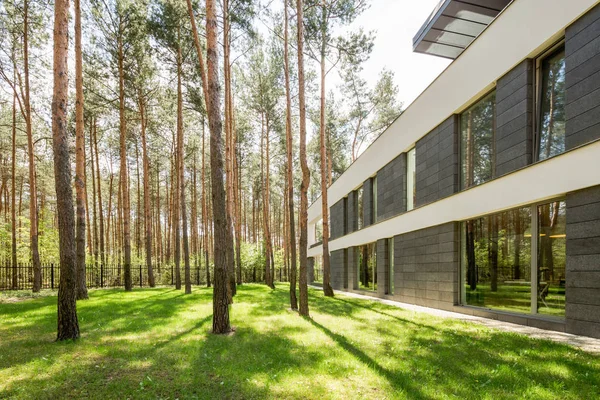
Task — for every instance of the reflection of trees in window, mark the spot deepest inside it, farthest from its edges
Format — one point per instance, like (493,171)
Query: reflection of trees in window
(497,260)
(551,257)
(359,201)
(477,126)
(367,265)
(552,106)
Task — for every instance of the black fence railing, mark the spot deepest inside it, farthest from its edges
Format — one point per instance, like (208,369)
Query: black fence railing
(20,277)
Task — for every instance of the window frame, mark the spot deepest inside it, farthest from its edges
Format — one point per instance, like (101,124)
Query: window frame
(534,229)
(460,146)
(539,60)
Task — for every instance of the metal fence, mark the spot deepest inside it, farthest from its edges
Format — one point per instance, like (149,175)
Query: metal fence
(20,277)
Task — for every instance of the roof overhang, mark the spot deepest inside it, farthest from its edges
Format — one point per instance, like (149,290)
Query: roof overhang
(454,24)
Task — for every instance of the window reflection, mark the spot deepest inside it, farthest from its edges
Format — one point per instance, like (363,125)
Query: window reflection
(551,263)
(552,106)
(477,127)
(497,261)
(367,266)
(359,201)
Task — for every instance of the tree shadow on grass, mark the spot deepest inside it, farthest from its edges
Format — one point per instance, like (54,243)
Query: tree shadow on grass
(398,381)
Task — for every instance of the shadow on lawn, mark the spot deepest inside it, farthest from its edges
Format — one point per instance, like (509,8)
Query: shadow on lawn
(122,356)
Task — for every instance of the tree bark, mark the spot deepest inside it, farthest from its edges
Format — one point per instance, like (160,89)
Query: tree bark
(68,325)
(146,183)
(100,213)
(290,168)
(304,166)
(124,179)
(327,289)
(221,323)
(181,179)
(13,206)
(79,158)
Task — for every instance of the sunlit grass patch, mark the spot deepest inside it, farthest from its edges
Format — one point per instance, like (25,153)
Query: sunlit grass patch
(156,343)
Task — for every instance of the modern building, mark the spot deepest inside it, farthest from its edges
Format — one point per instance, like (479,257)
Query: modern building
(483,197)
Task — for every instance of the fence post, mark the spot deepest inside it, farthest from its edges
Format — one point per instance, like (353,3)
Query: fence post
(52,276)
(140,275)
(101,275)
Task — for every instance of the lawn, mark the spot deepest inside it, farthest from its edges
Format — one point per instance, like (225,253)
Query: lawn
(155,343)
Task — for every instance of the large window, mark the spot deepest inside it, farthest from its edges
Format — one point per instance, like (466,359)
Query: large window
(500,251)
(359,202)
(551,104)
(318,268)
(319,231)
(411,179)
(374,197)
(551,260)
(477,131)
(497,260)
(367,266)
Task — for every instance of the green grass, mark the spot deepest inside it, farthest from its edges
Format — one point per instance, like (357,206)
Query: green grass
(155,343)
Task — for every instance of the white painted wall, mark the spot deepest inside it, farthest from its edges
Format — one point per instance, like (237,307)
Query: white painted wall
(524,29)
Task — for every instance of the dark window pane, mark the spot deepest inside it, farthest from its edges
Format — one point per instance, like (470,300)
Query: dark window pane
(497,261)
(367,266)
(477,127)
(552,106)
(551,263)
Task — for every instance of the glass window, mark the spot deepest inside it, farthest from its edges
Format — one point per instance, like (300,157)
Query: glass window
(359,202)
(318,268)
(497,261)
(551,125)
(374,197)
(391,264)
(411,179)
(367,266)
(319,231)
(551,258)
(477,130)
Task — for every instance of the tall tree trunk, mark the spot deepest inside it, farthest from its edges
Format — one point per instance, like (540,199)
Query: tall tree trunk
(303,217)
(181,179)
(100,213)
(33,217)
(327,289)
(94,207)
(221,323)
(146,178)
(229,193)
(124,179)
(205,227)
(79,158)
(13,206)
(68,325)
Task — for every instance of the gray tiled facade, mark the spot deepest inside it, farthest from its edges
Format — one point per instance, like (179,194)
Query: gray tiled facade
(437,163)
(514,119)
(351,212)
(338,219)
(337,261)
(426,265)
(391,188)
(582,80)
(583,262)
